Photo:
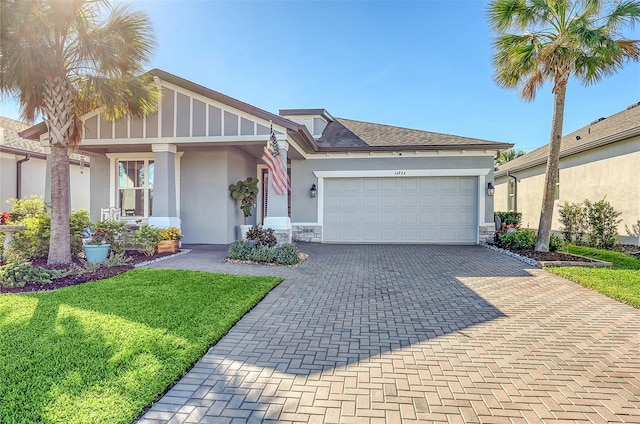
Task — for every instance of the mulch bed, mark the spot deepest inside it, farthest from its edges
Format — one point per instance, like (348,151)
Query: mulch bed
(552,256)
(73,279)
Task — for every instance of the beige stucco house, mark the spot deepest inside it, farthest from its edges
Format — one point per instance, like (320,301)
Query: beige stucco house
(23,168)
(600,159)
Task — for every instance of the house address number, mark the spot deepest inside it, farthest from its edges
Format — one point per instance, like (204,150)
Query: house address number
(398,173)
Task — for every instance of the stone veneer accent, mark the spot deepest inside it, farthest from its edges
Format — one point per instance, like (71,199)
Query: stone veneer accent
(487,232)
(283,236)
(307,233)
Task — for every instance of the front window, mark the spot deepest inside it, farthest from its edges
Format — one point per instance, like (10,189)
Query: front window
(135,188)
(511,195)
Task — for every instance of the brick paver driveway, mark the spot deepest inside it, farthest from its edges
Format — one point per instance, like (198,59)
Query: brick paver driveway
(389,334)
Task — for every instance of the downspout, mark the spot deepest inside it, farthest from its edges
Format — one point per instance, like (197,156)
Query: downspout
(515,191)
(19,175)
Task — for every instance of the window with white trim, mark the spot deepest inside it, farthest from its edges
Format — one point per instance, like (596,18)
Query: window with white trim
(135,187)
(557,196)
(511,195)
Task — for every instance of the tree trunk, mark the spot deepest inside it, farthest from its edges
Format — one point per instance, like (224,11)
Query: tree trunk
(60,241)
(553,163)
(58,110)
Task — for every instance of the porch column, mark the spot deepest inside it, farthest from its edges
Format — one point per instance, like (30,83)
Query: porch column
(278,206)
(164,212)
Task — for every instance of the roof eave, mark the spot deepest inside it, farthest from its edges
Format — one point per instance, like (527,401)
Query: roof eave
(613,138)
(492,146)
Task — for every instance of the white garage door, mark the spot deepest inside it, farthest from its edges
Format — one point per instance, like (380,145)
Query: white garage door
(401,210)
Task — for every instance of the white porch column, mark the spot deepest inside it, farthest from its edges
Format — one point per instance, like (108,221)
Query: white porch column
(278,206)
(164,187)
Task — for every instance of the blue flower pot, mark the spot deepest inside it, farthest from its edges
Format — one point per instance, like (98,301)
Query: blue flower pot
(96,253)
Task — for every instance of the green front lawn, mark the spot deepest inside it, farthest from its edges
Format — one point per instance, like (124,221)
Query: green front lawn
(102,352)
(621,281)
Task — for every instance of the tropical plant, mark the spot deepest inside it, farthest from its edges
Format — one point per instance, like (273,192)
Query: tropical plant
(543,41)
(508,156)
(246,192)
(62,59)
(148,238)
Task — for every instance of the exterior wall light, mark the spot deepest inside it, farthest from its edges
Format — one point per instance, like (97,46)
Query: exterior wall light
(313,191)
(491,190)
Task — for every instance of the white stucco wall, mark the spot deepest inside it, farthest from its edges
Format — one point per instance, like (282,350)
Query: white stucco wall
(606,171)
(33,181)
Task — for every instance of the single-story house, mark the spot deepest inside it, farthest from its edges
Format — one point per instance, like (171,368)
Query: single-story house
(371,183)
(23,168)
(596,161)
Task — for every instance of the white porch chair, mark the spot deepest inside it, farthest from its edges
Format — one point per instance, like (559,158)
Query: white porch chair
(110,214)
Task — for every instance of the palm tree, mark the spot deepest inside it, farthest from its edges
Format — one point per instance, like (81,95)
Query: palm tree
(508,156)
(62,59)
(543,41)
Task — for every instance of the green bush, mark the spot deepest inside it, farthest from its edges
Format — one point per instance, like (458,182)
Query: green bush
(115,230)
(241,250)
(509,218)
(33,241)
(573,220)
(287,254)
(18,274)
(555,243)
(603,223)
(262,254)
(262,236)
(249,251)
(518,240)
(29,207)
(78,222)
(148,238)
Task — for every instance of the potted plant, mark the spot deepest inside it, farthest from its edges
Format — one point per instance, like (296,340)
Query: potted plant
(96,245)
(170,240)
(246,193)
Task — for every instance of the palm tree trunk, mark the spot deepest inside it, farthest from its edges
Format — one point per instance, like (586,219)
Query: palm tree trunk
(58,109)
(553,163)
(60,241)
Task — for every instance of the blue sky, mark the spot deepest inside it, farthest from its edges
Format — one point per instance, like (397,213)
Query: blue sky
(420,64)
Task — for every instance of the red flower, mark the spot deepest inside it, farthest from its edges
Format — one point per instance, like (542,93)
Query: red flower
(5,218)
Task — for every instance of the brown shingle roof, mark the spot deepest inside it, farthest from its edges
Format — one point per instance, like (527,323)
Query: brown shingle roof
(600,132)
(10,137)
(10,140)
(347,133)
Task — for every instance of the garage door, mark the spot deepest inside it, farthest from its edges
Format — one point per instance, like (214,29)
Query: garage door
(401,210)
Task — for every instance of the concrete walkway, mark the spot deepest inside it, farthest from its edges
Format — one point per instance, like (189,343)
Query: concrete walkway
(390,334)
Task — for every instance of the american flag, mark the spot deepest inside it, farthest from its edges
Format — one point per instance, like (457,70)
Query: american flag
(277,166)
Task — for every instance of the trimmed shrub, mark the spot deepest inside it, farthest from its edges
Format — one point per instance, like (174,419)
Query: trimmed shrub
(555,243)
(262,236)
(18,274)
(287,254)
(574,222)
(262,254)
(509,218)
(518,240)
(603,223)
(241,250)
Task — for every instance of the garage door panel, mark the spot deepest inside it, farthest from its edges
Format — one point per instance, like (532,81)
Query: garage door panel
(409,200)
(401,209)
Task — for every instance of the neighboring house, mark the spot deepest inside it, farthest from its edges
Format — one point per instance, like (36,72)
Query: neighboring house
(375,183)
(23,168)
(599,160)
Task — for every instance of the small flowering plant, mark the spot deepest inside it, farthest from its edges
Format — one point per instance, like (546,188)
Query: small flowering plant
(95,238)
(171,233)
(5,218)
